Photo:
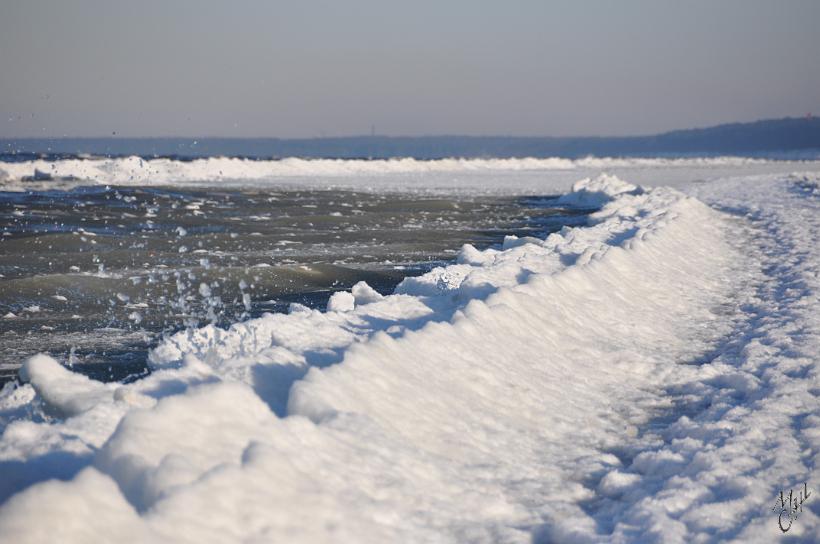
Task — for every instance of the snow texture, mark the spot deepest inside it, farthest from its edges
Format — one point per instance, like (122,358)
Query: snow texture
(651,376)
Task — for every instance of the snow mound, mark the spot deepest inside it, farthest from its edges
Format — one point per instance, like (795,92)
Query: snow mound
(595,192)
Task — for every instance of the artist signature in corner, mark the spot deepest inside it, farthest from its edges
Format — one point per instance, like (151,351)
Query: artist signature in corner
(790,506)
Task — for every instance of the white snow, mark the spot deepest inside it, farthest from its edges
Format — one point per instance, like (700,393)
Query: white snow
(138,170)
(651,376)
(516,176)
(594,193)
(64,393)
(341,302)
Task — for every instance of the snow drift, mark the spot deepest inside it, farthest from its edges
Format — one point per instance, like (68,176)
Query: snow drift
(489,400)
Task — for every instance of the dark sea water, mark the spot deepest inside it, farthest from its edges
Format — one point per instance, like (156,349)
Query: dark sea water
(96,275)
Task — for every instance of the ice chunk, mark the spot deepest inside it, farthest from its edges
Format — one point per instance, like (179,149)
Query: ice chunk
(341,301)
(65,393)
(364,294)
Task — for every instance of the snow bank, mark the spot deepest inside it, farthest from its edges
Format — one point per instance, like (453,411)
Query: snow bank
(139,171)
(510,396)
(465,406)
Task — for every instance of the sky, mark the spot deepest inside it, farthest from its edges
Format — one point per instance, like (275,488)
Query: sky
(309,68)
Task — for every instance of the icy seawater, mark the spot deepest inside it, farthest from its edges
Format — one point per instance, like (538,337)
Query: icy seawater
(96,275)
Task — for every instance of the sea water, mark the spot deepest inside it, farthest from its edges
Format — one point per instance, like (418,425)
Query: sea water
(96,275)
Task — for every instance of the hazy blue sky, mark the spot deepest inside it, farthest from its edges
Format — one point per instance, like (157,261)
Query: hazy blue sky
(312,68)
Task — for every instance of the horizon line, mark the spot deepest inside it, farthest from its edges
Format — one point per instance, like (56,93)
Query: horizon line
(115,136)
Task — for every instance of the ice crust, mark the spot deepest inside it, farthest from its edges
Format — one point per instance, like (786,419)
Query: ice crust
(651,376)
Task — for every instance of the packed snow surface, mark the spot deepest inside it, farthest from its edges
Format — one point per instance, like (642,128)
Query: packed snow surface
(651,376)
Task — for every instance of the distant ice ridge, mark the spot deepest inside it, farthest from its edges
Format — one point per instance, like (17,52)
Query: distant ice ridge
(512,396)
(135,170)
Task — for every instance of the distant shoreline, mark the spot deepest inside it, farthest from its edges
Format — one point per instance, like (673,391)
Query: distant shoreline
(787,139)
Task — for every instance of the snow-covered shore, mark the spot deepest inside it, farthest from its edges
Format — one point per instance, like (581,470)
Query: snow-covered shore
(652,376)
(492,175)
(129,170)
